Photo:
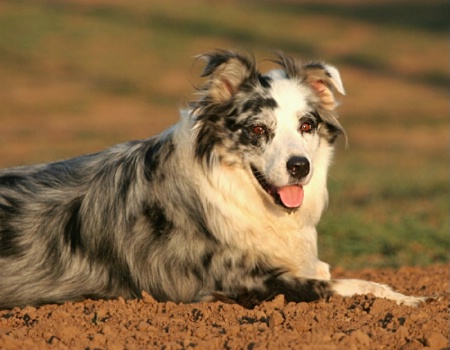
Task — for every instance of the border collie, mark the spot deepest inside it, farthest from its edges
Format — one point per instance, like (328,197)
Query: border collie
(221,206)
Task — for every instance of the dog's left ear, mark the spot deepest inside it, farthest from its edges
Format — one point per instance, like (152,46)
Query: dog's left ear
(326,81)
(226,70)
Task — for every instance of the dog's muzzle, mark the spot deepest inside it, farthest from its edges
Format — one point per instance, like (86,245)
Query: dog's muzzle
(290,196)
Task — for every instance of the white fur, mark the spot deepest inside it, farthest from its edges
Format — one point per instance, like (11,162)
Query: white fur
(349,287)
(336,78)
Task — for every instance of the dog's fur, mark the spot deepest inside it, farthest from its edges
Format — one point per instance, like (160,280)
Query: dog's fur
(221,206)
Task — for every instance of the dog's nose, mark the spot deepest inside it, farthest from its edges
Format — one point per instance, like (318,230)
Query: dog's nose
(298,167)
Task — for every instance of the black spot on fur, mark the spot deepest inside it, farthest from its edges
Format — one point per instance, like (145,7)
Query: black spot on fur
(221,56)
(8,241)
(230,123)
(207,260)
(158,220)
(197,272)
(233,113)
(256,105)
(264,81)
(330,133)
(10,207)
(269,103)
(260,270)
(228,263)
(127,178)
(127,167)
(314,66)
(204,230)
(105,251)
(158,151)
(73,226)
(208,138)
(170,149)
(11,180)
(120,278)
(247,137)
(53,257)
(330,128)
(151,159)
(301,290)
(218,285)
(294,290)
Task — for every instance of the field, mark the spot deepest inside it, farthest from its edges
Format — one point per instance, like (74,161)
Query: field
(78,76)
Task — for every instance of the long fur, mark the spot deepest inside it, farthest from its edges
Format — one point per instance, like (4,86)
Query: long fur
(195,213)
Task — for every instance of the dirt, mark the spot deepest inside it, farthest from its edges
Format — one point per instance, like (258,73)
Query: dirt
(360,322)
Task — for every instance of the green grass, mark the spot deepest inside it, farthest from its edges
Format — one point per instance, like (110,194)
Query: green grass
(388,217)
(80,76)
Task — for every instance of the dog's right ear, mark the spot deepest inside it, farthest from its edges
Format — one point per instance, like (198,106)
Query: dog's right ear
(226,70)
(326,81)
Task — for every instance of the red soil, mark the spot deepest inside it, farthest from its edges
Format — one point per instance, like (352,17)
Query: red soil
(360,322)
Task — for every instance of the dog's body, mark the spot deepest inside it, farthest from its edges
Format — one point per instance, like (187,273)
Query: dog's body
(221,206)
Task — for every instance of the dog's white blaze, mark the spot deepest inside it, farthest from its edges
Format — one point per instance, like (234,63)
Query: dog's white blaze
(291,101)
(290,96)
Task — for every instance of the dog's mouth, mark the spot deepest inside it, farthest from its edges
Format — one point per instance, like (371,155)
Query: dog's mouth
(290,197)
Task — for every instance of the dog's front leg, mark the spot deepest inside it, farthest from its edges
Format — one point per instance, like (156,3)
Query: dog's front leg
(294,289)
(297,289)
(349,287)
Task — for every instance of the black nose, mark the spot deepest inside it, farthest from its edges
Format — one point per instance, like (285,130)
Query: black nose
(298,167)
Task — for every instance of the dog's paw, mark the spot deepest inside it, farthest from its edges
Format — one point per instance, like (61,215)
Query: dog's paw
(411,301)
(349,287)
(322,271)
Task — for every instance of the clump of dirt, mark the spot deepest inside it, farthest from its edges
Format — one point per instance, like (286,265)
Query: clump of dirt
(360,322)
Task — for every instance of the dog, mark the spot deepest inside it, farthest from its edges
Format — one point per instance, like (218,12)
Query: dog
(221,206)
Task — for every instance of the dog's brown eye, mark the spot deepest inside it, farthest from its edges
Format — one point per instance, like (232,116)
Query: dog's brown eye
(259,130)
(305,127)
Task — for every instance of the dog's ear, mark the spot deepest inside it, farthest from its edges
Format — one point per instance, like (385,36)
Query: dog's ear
(326,81)
(323,78)
(226,70)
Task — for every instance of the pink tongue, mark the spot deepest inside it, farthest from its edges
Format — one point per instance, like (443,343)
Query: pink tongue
(291,196)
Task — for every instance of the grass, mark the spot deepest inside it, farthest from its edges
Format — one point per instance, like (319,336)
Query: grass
(79,76)
(386,217)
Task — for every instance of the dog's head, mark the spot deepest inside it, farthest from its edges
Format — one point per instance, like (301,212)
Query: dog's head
(272,125)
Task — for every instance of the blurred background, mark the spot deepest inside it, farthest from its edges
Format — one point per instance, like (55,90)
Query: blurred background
(77,76)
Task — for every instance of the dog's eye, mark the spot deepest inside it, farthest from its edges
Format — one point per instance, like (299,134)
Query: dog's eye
(305,127)
(259,130)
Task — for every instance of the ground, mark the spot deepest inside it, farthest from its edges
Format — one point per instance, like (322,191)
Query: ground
(360,322)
